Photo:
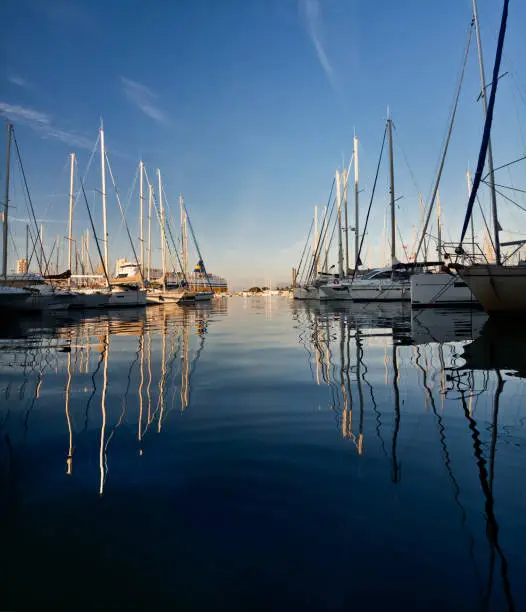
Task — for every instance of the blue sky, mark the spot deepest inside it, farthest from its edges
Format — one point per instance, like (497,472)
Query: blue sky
(249,106)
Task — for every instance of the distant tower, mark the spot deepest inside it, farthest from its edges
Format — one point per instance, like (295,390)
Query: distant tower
(21,266)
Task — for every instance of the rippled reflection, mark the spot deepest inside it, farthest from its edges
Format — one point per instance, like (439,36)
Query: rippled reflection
(460,357)
(149,355)
(315,448)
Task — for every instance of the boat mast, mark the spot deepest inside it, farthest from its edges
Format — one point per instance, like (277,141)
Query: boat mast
(326,262)
(468,178)
(150,200)
(356,208)
(496,225)
(103,185)
(6,200)
(346,217)
(439,227)
(339,203)
(141,212)
(392,192)
(163,237)
(315,240)
(71,200)
(184,236)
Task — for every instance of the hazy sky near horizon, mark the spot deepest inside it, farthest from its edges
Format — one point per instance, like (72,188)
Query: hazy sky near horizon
(248,107)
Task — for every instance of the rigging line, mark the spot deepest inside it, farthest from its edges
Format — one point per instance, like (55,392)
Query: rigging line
(30,201)
(508,198)
(323,232)
(131,191)
(167,225)
(90,161)
(370,205)
(515,161)
(448,138)
(316,255)
(487,125)
(322,237)
(197,246)
(105,271)
(304,249)
(124,219)
(325,263)
(507,187)
(406,160)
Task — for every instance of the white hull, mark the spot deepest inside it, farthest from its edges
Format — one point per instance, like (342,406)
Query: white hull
(90,299)
(428,290)
(305,293)
(126,298)
(368,291)
(48,302)
(165,296)
(497,288)
(335,292)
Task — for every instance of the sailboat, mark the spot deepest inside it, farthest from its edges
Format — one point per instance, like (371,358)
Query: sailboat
(164,292)
(380,285)
(499,288)
(25,292)
(195,282)
(314,275)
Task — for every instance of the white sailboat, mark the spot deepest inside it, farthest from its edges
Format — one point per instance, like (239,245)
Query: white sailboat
(164,293)
(25,292)
(120,294)
(498,287)
(381,285)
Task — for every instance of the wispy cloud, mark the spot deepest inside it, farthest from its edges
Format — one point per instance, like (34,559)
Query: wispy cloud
(311,12)
(43,125)
(17,80)
(144,98)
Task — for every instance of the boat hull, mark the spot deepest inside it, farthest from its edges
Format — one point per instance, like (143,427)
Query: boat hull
(306,293)
(168,296)
(441,290)
(367,291)
(126,298)
(84,301)
(499,289)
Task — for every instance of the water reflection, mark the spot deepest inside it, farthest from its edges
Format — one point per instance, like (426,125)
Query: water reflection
(461,357)
(398,435)
(115,369)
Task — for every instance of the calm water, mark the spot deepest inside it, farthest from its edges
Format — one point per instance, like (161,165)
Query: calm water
(263,454)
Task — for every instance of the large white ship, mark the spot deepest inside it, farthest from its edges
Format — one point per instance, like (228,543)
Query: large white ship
(198,280)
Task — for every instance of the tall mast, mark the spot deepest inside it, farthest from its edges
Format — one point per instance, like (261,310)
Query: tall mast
(392,192)
(141,212)
(468,178)
(346,216)
(326,261)
(184,237)
(163,238)
(87,251)
(27,247)
(356,208)
(6,200)
(58,252)
(496,225)
(439,227)
(315,238)
(71,201)
(103,186)
(150,200)
(339,201)
(42,257)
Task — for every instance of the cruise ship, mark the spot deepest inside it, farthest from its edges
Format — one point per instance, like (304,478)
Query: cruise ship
(197,279)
